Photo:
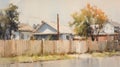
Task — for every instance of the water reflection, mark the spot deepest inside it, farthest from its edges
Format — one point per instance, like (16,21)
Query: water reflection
(79,62)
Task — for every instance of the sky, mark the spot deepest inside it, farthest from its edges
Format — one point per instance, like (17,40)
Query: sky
(34,11)
(3,4)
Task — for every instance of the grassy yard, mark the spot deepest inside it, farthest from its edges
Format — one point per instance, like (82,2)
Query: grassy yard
(105,54)
(25,59)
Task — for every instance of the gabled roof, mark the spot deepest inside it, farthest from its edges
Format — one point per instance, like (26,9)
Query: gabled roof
(116,24)
(62,28)
(25,27)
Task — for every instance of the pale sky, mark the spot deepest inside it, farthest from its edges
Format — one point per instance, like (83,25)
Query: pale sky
(3,4)
(33,11)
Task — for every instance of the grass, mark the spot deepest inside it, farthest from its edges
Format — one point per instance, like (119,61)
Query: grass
(105,54)
(24,59)
(34,58)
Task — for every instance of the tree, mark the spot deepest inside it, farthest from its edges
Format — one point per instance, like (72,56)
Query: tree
(84,20)
(8,21)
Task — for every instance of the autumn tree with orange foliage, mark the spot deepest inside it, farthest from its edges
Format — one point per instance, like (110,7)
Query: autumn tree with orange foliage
(88,16)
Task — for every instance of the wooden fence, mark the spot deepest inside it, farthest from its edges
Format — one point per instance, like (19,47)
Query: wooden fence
(39,47)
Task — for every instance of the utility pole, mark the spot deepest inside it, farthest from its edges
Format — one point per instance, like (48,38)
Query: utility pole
(58,33)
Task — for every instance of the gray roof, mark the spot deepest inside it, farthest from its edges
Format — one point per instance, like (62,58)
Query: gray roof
(62,28)
(25,27)
(116,24)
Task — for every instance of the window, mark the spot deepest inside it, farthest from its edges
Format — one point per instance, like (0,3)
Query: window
(67,37)
(22,36)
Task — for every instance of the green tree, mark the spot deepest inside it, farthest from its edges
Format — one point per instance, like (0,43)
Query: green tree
(12,16)
(8,21)
(87,17)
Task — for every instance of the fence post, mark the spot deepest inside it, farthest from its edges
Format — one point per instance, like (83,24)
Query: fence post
(13,47)
(54,48)
(42,42)
(70,46)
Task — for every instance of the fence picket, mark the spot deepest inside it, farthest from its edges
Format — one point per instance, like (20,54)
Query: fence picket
(39,47)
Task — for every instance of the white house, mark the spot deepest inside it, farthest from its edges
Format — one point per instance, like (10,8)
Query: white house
(111,27)
(48,30)
(24,32)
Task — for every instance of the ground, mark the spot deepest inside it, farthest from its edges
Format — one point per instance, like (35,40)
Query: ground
(26,59)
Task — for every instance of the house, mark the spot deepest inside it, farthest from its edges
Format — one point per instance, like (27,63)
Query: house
(48,30)
(111,27)
(24,32)
(109,31)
